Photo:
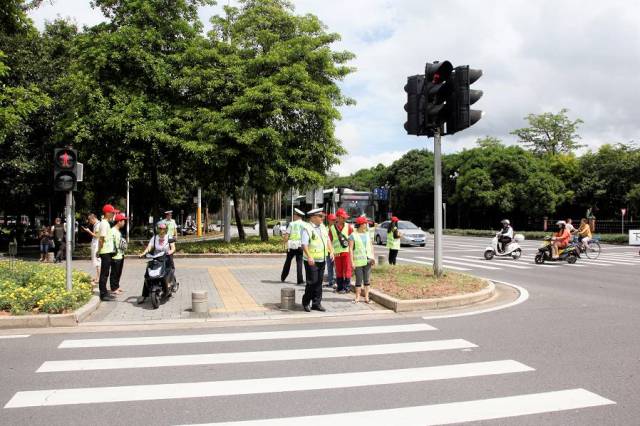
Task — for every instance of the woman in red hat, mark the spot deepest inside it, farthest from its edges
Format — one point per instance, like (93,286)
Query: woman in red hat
(361,251)
(339,236)
(394,237)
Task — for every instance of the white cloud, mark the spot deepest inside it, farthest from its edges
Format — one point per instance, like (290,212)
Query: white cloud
(362,160)
(537,56)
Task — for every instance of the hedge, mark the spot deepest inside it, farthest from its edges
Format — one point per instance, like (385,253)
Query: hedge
(531,235)
(29,287)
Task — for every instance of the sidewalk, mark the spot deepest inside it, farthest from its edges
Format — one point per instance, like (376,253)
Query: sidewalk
(236,287)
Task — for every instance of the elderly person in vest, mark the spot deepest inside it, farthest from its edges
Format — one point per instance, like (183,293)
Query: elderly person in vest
(394,237)
(339,236)
(361,251)
(292,240)
(316,247)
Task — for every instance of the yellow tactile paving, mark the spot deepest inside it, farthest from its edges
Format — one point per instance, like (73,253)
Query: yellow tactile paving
(233,295)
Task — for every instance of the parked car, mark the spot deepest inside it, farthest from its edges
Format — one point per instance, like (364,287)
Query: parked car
(412,235)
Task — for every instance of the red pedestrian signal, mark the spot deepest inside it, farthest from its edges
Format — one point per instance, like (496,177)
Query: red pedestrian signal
(65,171)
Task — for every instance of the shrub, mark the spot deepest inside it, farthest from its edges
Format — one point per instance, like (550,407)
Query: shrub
(32,287)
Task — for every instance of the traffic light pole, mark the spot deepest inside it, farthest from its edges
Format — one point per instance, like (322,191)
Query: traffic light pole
(69,237)
(437,205)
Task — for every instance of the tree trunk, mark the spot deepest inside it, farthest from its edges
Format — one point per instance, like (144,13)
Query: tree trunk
(264,234)
(236,212)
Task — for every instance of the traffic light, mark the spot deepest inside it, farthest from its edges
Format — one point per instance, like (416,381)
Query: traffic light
(65,169)
(437,86)
(461,97)
(414,105)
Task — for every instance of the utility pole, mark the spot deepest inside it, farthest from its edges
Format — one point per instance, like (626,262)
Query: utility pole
(199,213)
(437,204)
(69,238)
(226,215)
(128,213)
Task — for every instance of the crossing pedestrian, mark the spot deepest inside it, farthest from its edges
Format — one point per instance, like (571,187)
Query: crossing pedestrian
(293,241)
(316,247)
(117,261)
(331,270)
(361,252)
(95,258)
(339,236)
(106,250)
(394,237)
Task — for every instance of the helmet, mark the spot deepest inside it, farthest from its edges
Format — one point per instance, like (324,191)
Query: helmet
(505,222)
(561,223)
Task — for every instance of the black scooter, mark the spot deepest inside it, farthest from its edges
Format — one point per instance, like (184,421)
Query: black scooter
(159,279)
(569,253)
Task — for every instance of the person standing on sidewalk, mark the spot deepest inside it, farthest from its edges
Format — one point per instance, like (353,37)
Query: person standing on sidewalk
(293,241)
(339,235)
(117,261)
(106,250)
(361,251)
(58,230)
(316,247)
(331,270)
(172,228)
(95,259)
(394,237)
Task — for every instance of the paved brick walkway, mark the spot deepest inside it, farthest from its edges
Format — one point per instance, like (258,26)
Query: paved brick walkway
(236,287)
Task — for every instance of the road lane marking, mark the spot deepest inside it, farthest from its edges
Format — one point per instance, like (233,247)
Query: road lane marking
(15,336)
(506,263)
(259,386)
(453,412)
(464,262)
(245,357)
(456,268)
(235,337)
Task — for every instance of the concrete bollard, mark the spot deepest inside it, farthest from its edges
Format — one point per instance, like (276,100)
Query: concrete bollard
(199,302)
(287,298)
(382,259)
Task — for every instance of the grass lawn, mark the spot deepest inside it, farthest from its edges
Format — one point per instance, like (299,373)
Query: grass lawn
(418,282)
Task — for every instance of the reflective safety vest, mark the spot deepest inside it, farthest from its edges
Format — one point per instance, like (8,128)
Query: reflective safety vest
(392,243)
(107,245)
(337,247)
(171,228)
(116,236)
(296,230)
(318,244)
(362,248)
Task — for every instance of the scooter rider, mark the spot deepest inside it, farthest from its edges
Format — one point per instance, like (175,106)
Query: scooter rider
(159,243)
(505,236)
(560,239)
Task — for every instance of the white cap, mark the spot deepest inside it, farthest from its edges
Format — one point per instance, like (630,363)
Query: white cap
(298,212)
(561,222)
(168,211)
(315,212)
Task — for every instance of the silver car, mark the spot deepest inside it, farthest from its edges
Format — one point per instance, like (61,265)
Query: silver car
(412,235)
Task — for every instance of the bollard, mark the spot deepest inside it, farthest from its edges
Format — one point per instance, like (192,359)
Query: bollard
(382,259)
(287,298)
(199,302)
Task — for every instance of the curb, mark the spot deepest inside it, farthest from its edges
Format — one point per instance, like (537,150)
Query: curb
(51,320)
(398,305)
(204,255)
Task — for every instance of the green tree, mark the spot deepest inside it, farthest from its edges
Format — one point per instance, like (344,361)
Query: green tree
(550,133)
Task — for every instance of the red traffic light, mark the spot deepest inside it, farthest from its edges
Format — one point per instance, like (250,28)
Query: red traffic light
(66,159)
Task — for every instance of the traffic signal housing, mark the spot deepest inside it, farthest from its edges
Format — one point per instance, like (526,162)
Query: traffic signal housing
(415,105)
(437,86)
(459,113)
(65,169)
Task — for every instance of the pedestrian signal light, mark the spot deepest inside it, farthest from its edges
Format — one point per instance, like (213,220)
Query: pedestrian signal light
(65,169)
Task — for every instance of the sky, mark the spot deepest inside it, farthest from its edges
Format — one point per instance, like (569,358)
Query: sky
(536,56)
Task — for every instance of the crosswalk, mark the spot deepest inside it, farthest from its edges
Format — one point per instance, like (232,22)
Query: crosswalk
(464,362)
(466,257)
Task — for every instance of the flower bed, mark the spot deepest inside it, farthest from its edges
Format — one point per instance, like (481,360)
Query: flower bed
(29,287)
(250,245)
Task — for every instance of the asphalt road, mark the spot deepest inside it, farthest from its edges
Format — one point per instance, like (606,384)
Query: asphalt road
(569,355)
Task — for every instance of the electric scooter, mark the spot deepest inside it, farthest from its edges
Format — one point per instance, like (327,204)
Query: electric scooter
(571,253)
(159,279)
(511,250)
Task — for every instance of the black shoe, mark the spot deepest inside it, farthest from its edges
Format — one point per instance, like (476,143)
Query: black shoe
(306,308)
(282,280)
(108,298)
(319,308)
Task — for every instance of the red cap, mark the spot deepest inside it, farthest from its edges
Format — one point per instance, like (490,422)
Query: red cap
(108,208)
(361,220)
(120,216)
(331,216)
(342,213)
(394,219)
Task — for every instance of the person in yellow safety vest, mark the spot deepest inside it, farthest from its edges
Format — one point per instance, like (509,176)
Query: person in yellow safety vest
(106,250)
(293,242)
(361,251)
(117,261)
(394,237)
(331,269)
(339,235)
(316,247)
(172,227)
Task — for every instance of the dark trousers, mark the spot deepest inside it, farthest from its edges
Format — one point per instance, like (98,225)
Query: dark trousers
(287,265)
(503,242)
(105,268)
(392,256)
(61,250)
(313,289)
(116,273)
